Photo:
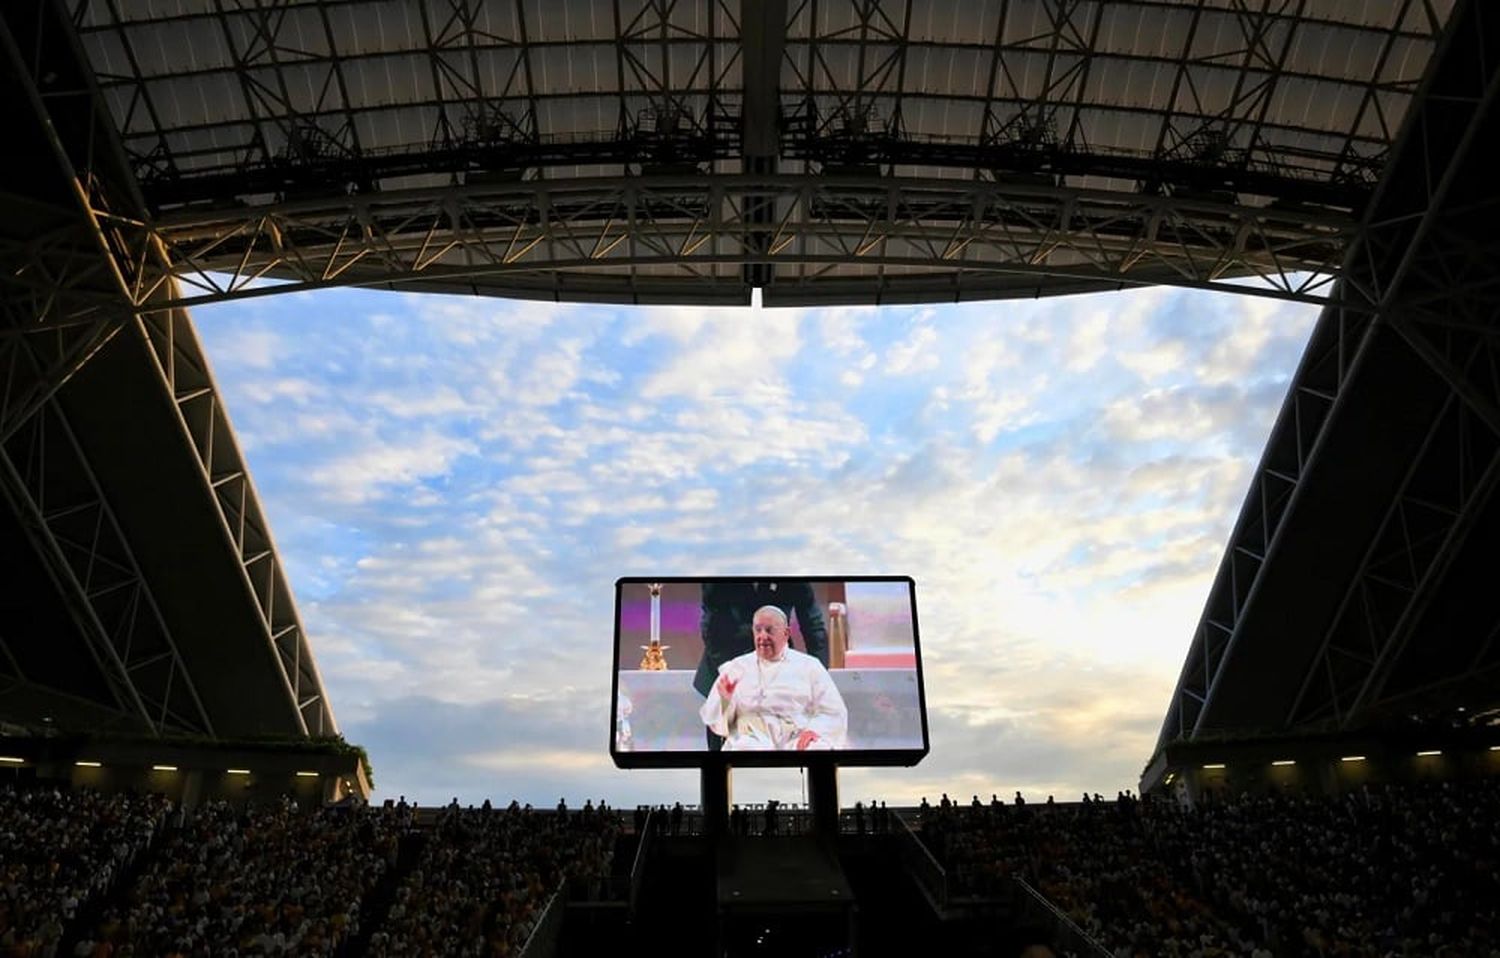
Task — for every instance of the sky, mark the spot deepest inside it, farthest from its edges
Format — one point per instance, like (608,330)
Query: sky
(454,484)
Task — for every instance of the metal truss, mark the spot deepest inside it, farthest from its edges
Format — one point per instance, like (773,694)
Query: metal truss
(675,238)
(1448,483)
(785,145)
(1204,144)
(46,477)
(67,286)
(178,359)
(36,363)
(1337,344)
(1424,266)
(669,72)
(57,274)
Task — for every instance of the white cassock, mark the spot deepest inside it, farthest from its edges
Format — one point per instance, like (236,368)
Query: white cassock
(775,702)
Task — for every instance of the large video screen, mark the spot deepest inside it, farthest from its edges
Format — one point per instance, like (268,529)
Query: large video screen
(767,671)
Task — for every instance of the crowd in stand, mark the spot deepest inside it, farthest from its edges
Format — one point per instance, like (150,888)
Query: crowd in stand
(59,850)
(1383,871)
(270,879)
(485,875)
(267,880)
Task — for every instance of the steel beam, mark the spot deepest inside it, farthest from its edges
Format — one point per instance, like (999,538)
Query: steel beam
(178,360)
(46,478)
(1423,266)
(695,233)
(73,269)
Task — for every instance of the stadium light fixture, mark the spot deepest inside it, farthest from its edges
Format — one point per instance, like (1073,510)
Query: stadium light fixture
(1495,748)
(1430,752)
(11,760)
(307,774)
(1352,758)
(164,768)
(1284,761)
(1213,765)
(236,771)
(87,764)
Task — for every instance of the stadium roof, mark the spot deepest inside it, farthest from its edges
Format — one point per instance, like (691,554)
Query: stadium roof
(1356,583)
(178,152)
(821,150)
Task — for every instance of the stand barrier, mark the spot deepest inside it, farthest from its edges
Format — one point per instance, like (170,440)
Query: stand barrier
(544,938)
(931,876)
(1034,907)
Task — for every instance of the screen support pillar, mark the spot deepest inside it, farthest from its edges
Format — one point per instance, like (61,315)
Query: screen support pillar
(717,791)
(823,798)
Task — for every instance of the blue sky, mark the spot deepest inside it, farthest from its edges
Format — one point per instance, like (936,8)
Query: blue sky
(455,483)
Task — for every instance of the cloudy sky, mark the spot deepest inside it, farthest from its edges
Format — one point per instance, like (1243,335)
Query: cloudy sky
(455,484)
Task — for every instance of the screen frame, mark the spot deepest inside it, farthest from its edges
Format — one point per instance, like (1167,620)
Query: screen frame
(854,758)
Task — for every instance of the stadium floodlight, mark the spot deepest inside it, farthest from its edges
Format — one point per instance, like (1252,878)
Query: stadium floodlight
(1352,758)
(87,764)
(1284,761)
(236,771)
(164,768)
(1213,765)
(1495,748)
(307,774)
(11,760)
(1429,752)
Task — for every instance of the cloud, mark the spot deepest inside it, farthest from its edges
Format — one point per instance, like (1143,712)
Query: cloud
(915,353)
(456,483)
(256,349)
(732,352)
(364,473)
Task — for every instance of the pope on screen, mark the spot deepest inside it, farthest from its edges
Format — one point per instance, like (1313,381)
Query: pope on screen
(775,698)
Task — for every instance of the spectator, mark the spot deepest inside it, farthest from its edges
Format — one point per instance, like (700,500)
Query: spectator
(59,851)
(1396,871)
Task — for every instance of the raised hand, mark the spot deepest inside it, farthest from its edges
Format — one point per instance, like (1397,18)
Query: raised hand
(727,686)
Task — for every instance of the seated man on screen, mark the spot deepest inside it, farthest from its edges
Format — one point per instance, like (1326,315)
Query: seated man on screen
(775,698)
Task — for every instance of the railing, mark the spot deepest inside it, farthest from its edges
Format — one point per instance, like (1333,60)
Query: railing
(930,875)
(642,854)
(542,943)
(1067,937)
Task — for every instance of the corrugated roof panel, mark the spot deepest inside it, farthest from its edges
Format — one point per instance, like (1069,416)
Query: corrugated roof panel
(1113,99)
(1406,62)
(106,52)
(1021,75)
(1138,31)
(955,21)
